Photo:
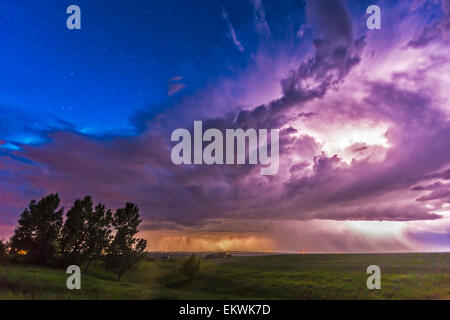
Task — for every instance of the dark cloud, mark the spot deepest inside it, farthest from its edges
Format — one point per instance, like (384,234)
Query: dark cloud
(434,186)
(381,213)
(425,37)
(332,19)
(175,85)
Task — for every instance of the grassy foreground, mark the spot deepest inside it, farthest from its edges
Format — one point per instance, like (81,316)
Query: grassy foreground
(340,276)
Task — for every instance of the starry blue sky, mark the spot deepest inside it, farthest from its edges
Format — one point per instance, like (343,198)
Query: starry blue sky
(94,80)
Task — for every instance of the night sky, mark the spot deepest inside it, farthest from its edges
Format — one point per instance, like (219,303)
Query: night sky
(363,118)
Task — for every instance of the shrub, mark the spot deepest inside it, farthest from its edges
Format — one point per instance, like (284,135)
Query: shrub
(191,267)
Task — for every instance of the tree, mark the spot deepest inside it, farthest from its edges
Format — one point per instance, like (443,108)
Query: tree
(75,231)
(125,251)
(3,251)
(98,234)
(38,230)
(191,267)
(86,232)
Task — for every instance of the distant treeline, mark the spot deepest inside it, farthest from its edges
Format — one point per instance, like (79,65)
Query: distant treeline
(89,233)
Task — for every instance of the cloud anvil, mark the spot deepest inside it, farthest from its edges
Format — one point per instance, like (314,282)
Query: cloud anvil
(363,117)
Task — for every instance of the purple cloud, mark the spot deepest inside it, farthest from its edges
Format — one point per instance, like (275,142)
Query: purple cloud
(363,137)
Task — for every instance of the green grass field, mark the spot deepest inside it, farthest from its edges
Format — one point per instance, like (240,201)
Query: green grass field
(340,276)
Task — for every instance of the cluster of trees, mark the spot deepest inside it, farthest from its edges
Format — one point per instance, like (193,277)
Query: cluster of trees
(88,233)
